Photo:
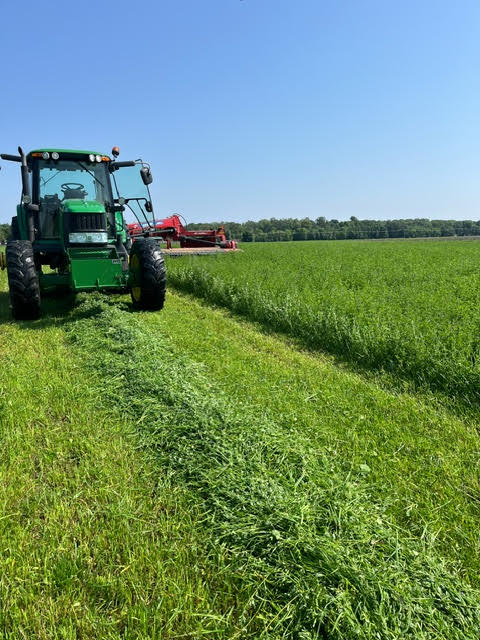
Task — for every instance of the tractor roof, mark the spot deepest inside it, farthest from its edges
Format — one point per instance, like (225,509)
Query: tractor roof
(68,151)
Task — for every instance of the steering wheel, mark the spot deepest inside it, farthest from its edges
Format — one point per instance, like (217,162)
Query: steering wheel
(71,186)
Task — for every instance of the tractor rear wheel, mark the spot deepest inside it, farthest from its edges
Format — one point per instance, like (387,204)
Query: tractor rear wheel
(23,280)
(148,277)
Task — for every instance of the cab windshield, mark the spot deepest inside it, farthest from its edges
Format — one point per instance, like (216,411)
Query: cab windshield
(66,180)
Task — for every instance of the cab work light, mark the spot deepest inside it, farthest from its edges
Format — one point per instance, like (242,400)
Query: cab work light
(97,237)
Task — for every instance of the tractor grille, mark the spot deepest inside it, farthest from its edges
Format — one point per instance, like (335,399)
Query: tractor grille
(87,222)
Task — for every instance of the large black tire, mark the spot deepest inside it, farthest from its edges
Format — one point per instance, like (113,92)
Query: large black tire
(15,231)
(23,280)
(148,274)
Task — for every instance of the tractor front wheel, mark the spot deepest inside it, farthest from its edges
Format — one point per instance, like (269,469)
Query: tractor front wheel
(148,277)
(23,280)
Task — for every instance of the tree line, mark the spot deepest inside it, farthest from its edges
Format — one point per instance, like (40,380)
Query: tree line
(285,229)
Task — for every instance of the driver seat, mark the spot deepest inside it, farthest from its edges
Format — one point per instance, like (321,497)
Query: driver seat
(74,194)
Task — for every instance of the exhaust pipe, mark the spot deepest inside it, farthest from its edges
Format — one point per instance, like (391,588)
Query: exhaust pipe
(27,195)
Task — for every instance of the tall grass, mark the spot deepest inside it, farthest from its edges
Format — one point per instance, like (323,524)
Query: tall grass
(411,308)
(304,537)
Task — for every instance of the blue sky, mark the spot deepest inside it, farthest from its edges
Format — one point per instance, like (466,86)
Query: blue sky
(252,109)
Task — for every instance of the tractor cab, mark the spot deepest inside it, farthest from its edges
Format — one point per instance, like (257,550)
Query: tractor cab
(66,188)
(71,216)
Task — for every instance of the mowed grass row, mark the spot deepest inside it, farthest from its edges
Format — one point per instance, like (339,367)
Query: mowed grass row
(95,540)
(411,308)
(420,461)
(308,525)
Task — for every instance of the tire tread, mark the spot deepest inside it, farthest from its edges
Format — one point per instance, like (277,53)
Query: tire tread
(153,276)
(23,280)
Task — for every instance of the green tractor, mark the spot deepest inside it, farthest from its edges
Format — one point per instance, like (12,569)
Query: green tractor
(70,235)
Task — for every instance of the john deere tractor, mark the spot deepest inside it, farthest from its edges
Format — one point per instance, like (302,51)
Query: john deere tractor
(69,233)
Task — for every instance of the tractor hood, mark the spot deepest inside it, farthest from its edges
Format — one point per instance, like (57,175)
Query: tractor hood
(82,206)
(84,216)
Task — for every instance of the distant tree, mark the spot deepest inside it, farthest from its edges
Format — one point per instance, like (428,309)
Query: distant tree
(248,236)
(4,232)
(300,234)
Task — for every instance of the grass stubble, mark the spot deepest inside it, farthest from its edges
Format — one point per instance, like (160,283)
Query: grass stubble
(95,541)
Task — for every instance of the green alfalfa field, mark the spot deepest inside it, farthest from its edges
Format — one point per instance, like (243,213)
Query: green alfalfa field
(261,459)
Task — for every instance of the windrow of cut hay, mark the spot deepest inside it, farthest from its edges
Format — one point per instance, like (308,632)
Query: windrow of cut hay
(410,308)
(319,557)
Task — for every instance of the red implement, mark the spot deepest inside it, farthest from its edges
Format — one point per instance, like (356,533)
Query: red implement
(198,242)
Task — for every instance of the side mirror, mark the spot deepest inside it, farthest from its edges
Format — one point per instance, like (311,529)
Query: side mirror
(146,174)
